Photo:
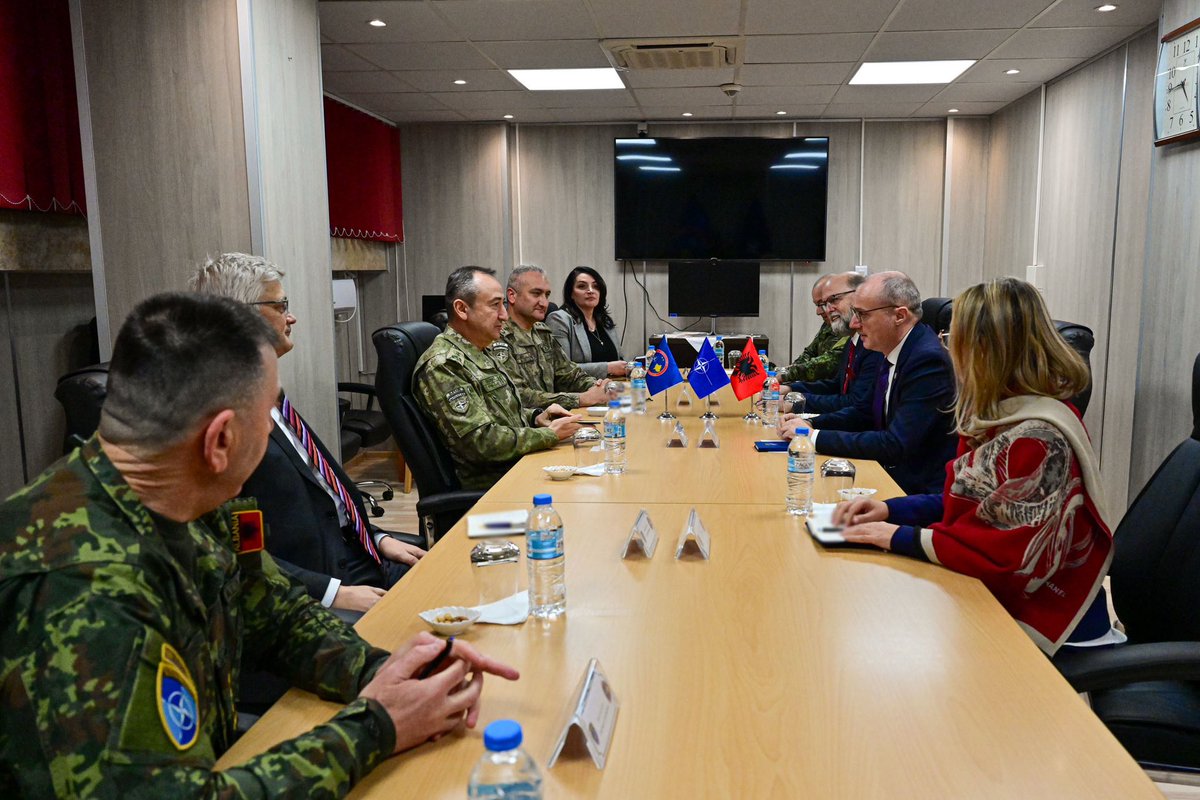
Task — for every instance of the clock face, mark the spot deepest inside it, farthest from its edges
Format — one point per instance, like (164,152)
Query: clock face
(1175,107)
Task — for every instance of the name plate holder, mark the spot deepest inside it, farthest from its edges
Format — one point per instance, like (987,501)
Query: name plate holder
(694,532)
(709,438)
(678,436)
(592,717)
(642,536)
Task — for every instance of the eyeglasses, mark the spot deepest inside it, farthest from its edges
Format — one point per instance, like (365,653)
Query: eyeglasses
(279,305)
(828,301)
(862,312)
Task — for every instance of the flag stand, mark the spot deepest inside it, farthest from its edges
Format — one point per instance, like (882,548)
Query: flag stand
(708,412)
(752,416)
(666,414)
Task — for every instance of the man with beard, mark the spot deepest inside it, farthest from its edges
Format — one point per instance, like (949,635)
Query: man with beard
(820,359)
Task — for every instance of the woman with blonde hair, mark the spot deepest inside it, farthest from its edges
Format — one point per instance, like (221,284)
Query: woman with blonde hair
(1022,507)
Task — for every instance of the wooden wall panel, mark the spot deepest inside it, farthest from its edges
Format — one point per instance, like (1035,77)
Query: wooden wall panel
(965,204)
(1012,187)
(902,200)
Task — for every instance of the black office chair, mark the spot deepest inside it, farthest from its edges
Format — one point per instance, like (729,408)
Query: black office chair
(1080,338)
(1146,690)
(1196,398)
(81,394)
(442,501)
(936,313)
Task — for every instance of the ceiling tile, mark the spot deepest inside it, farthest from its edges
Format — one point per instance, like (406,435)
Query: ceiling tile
(806,49)
(497,101)
(940,109)
(478,80)
(424,116)
(599,98)
(816,16)
(870,110)
(598,114)
(795,74)
(908,93)
(1001,91)
(636,19)
(393,101)
(700,96)
(935,45)
(335,58)
(768,112)
(511,20)
(1083,14)
(1062,42)
(422,55)
(566,54)
(786,95)
(675,113)
(525,115)
(663,78)
(373,81)
(346,22)
(939,15)
(1033,70)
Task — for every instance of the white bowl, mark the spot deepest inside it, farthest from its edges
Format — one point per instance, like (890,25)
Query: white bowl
(855,493)
(449,628)
(559,472)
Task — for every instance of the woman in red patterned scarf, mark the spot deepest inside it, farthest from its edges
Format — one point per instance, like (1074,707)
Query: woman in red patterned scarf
(1022,508)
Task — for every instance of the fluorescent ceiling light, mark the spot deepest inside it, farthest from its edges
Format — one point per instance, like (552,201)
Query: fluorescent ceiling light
(460,82)
(686,114)
(661,169)
(807,155)
(1012,72)
(545,80)
(1106,8)
(790,166)
(643,158)
(635,142)
(781,113)
(508,116)
(816,138)
(377,23)
(910,72)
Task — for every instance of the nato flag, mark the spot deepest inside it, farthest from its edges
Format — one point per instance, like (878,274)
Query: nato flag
(707,373)
(661,372)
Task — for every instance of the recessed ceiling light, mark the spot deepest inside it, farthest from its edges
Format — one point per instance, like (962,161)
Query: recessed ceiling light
(1012,72)
(543,80)
(508,116)
(377,23)
(1106,8)
(895,72)
(687,113)
(781,113)
(460,82)
(952,110)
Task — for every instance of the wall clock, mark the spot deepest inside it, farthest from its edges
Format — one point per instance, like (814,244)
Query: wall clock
(1176,116)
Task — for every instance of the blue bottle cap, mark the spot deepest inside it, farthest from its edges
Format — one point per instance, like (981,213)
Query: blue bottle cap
(541,499)
(501,735)
(802,431)
(614,403)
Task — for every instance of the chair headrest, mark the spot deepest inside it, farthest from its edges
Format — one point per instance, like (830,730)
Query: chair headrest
(1078,336)
(936,312)
(82,395)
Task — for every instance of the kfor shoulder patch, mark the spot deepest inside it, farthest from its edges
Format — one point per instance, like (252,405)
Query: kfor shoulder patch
(176,695)
(458,399)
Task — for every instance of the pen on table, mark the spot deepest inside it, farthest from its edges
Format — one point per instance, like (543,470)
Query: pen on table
(504,526)
(437,660)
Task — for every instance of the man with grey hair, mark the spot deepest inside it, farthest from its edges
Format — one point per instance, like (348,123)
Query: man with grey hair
(468,396)
(907,425)
(318,528)
(530,354)
(818,361)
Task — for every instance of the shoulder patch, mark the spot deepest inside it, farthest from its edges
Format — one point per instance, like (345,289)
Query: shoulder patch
(500,350)
(176,695)
(458,399)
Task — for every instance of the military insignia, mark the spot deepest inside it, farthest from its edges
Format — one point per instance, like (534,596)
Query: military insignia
(658,364)
(458,399)
(500,350)
(247,532)
(176,694)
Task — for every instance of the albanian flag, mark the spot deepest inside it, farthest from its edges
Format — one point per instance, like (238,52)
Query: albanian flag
(748,373)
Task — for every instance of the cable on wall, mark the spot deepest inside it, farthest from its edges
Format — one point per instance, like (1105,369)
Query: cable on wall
(12,351)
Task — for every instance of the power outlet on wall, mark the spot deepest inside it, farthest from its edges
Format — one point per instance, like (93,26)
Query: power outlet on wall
(862,269)
(1035,274)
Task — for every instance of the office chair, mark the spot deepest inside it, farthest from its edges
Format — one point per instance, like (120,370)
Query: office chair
(372,428)
(81,394)
(1146,690)
(442,501)
(936,313)
(1196,398)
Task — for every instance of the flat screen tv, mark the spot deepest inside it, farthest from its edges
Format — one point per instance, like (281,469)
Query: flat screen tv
(712,288)
(726,198)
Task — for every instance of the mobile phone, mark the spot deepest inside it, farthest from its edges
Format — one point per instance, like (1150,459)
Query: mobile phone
(771,445)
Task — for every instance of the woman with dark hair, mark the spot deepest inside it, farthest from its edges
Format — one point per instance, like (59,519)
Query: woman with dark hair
(584,326)
(1022,509)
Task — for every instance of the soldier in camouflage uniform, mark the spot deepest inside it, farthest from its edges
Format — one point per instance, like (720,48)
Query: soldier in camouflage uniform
(821,358)
(470,398)
(529,353)
(131,597)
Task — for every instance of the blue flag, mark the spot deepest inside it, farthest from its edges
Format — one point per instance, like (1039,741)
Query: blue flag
(661,372)
(707,373)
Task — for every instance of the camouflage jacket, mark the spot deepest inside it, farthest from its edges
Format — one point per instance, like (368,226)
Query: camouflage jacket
(819,360)
(123,638)
(538,366)
(476,408)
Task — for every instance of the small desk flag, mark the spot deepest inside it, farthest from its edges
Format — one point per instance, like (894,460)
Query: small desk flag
(707,373)
(748,374)
(661,372)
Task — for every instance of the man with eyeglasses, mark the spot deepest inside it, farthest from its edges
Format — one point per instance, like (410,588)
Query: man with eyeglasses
(818,361)
(907,425)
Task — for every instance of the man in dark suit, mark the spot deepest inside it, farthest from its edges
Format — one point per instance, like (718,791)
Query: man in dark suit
(907,426)
(318,530)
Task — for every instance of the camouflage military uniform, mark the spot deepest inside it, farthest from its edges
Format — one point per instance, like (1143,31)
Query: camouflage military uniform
(475,406)
(819,360)
(109,611)
(539,367)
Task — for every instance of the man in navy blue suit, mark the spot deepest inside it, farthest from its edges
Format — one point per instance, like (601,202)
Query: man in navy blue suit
(907,425)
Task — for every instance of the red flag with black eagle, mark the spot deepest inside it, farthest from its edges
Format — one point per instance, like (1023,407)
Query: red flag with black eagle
(749,375)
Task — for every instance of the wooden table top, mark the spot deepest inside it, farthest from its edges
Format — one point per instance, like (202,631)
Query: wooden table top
(775,669)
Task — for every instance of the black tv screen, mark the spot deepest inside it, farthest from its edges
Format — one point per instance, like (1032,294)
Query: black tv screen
(712,288)
(726,198)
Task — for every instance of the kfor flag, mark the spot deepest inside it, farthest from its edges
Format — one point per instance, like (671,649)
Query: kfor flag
(748,373)
(661,372)
(708,374)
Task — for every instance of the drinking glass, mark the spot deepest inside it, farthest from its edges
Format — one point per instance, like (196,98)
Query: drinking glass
(836,473)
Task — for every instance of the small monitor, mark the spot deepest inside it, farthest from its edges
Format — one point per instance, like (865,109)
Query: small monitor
(432,304)
(712,288)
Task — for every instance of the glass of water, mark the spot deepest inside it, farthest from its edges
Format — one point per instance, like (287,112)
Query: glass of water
(836,473)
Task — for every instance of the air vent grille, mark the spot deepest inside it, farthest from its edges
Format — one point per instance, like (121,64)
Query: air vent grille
(634,54)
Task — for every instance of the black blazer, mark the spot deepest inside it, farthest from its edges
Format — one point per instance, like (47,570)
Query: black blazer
(918,435)
(824,396)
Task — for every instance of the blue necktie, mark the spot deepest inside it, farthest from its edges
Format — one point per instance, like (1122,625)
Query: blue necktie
(881,387)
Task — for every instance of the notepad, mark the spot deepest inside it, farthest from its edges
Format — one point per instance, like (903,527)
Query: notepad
(499,523)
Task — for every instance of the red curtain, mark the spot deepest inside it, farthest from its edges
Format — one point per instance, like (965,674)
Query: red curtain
(362,157)
(41,164)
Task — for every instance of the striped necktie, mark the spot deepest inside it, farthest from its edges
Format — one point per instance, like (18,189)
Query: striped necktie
(309,443)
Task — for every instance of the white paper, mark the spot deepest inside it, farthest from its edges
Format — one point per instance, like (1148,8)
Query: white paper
(477,524)
(597,411)
(510,611)
(595,470)
(820,519)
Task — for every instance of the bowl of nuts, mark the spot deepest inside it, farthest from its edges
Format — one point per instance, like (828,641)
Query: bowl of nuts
(449,620)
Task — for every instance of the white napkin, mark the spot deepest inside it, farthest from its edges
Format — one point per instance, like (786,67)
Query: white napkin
(595,470)
(509,611)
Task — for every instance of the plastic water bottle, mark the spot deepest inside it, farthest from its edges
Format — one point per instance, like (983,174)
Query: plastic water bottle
(615,458)
(637,388)
(546,559)
(719,349)
(771,400)
(762,354)
(505,770)
(800,471)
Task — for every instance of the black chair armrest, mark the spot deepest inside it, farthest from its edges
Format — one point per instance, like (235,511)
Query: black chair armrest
(1096,669)
(458,500)
(359,388)
(407,538)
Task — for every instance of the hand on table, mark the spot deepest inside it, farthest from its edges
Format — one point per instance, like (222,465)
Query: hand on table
(859,511)
(617,369)
(595,396)
(356,598)
(876,533)
(393,549)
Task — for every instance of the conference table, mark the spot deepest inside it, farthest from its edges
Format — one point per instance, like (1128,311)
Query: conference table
(775,668)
